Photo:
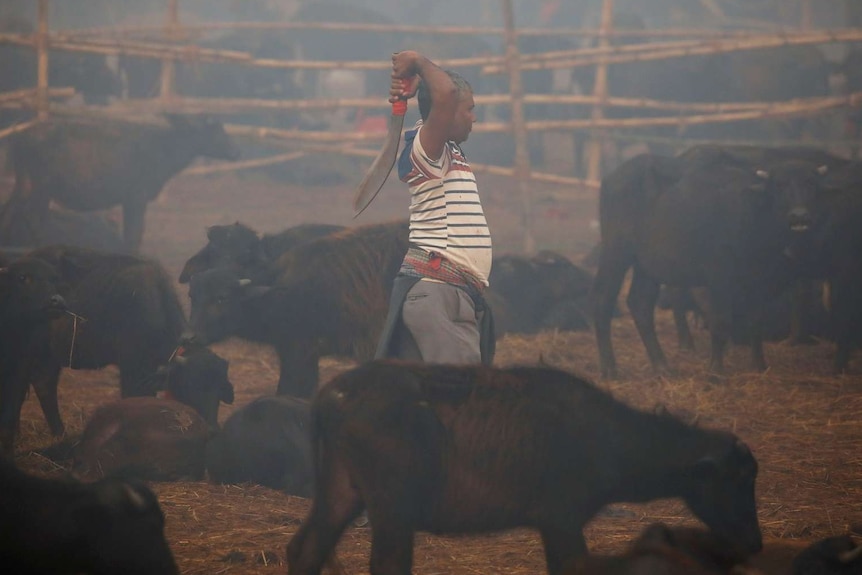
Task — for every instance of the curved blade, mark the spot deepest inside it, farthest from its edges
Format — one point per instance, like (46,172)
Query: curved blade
(382,165)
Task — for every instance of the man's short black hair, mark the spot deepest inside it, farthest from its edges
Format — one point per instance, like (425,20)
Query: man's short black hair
(424,96)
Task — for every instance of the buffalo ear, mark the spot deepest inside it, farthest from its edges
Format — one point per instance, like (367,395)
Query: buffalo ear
(226,392)
(196,264)
(823,170)
(704,467)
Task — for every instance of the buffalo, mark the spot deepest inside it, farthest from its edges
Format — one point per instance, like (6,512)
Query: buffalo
(64,526)
(715,222)
(266,442)
(543,291)
(241,249)
(143,437)
(94,166)
(331,297)
(29,300)
(126,313)
(461,449)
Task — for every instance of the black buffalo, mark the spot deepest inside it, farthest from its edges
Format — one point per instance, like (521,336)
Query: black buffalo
(832,254)
(126,314)
(53,526)
(715,222)
(544,291)
(145,438)
(460,449)
(29,300)
(266,442)
(330,298)
(243,250)
(94,166)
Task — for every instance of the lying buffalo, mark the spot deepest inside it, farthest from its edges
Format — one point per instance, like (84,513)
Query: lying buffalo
(465,449)
(94,166)
(145,438)
(267,442)
(330,298)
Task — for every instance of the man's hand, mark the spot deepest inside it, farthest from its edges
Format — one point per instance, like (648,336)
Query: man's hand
(405,75)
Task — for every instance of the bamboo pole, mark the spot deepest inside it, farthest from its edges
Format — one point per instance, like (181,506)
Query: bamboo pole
(519,131)
(42,61)
(166,91)
(17,128)
(600,93)
(712,47)
(25,97)
(236,105)
(245,165)
(410,29)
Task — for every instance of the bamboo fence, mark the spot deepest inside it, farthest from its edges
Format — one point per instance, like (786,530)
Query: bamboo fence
(174,42)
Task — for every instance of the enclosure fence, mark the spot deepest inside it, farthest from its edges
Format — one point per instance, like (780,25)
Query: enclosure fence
(175,42)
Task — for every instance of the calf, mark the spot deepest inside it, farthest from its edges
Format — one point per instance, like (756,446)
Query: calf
(460,449)
(331,297)
(143,437)
(198,378)
(266,442)
(107,528)
(95,166)
(239,248)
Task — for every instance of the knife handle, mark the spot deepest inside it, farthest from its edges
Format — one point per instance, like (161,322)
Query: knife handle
(399,108)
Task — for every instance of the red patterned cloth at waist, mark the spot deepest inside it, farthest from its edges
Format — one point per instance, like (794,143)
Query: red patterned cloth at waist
(424,264)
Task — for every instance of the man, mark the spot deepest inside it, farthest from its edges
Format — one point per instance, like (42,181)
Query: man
(437,313)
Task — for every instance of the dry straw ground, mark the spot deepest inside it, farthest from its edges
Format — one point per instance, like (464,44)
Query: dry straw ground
(802,424)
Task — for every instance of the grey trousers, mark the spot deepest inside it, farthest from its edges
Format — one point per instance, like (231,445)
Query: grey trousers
(441,323)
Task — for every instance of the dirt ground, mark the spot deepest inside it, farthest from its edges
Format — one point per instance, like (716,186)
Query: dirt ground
(802,424)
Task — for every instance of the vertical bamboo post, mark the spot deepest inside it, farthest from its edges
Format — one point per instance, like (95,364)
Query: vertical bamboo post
(171,23)
(806,15)
(600,91)
(519,128)
(42,61)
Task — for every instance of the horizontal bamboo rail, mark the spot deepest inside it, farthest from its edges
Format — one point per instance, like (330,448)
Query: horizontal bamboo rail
(283,137)
(410,29)
(17,128)
(788,109)
(23,98)
(711,47)
(238,105)
(244,165)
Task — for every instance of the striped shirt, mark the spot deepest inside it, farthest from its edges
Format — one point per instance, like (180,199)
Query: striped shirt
(445,211)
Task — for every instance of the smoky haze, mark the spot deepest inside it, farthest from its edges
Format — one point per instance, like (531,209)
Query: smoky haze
(757,76)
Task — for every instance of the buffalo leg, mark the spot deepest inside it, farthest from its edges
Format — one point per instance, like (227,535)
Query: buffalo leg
(679,304)
(642,298)
(299,370)
(133,224)
(45,384)
(562,546)
(13,392)
(605,290)
(335,505)
(720,321)
(801,312)
(843,321)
